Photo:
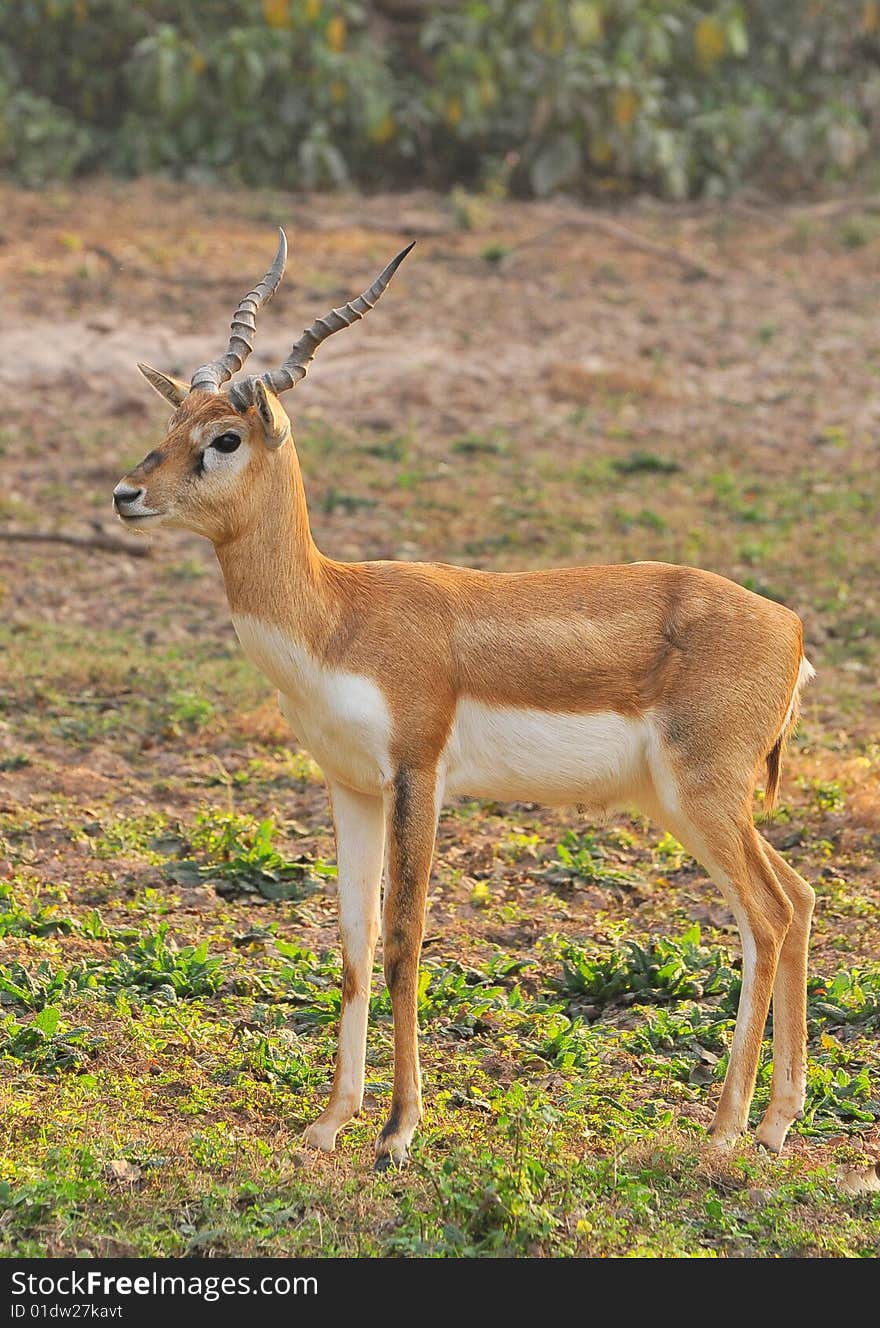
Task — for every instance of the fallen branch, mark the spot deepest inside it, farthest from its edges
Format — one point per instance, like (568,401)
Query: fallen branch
(777,223)
(693,266)
(99,540)
(835,207)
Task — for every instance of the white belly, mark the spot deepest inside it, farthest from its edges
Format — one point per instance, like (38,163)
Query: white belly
(342,719)
(522,755)
(512,754)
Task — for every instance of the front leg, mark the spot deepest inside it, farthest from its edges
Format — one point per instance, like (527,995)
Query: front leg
(360,845)
(412,824)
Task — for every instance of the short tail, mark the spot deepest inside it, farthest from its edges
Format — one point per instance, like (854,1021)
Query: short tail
(774,756)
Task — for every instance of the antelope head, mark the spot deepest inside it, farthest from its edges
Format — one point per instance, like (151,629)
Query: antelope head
(214,469)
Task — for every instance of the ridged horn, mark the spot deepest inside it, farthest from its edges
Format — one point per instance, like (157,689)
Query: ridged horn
(295,367)
(209,377)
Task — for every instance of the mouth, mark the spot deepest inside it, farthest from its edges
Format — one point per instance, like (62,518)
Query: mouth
(138,518)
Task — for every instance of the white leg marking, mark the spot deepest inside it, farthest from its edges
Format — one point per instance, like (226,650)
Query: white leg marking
(669,810)
(360,839)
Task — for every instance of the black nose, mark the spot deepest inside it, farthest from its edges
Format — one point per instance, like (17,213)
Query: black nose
(123,496)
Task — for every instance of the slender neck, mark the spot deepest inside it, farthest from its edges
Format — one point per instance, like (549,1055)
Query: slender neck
(271,566)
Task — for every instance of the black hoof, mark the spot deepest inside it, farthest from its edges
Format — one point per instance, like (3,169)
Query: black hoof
(385,1162)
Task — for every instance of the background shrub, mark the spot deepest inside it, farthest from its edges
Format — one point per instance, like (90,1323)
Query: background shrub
(683,97)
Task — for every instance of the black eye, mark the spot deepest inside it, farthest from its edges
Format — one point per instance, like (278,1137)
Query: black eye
(227,442)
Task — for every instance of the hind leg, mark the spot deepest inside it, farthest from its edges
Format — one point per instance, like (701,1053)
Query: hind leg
(712,817)
(732,855)
(789,1009)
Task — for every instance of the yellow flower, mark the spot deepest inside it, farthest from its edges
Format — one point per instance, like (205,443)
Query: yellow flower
(385,130)
(587,21)
(626,103)
(599,150)
(547,36)
(313,9)
(709,41)
(453,111)
(338,91)
(336,34)
(276,13)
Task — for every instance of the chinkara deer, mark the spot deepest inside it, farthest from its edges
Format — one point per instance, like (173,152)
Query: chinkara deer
(658,687)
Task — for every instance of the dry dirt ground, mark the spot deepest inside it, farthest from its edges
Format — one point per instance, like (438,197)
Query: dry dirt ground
(535,389)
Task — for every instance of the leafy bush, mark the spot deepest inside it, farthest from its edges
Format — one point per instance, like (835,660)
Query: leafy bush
(31,918)
(45,1044)
(851,997)
(660,972)
(283,92)
(242,860)
(166,971)
(582,858)
(684,97)
(680,96)
(38,141)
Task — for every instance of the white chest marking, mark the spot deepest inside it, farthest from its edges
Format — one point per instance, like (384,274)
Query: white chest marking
(538,756)
(341,718)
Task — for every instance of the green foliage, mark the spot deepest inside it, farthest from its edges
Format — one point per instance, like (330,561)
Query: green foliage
(683,1028)
(35,918)
(45,1044)
(39,989)
(837,1095)
(493,1209)
(242,859)
(261,92)
(187,713)
(659,972)
(158,967)
(648,463)
(501,1202)
(683,98)
(38,140)
(582,858)
(236,854)
(25,1206)
(852,997)
(154,968)
(311,986)
(827,794)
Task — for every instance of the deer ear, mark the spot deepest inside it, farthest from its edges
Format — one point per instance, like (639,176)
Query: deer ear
(273,416)
(172,389)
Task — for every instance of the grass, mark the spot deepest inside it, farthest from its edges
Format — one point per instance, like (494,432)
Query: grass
(567,1082)
(502,1167)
